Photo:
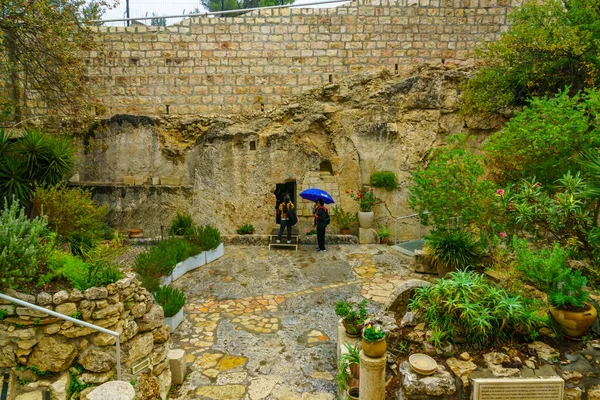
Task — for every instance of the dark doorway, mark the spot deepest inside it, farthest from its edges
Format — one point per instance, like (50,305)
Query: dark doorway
(281,190)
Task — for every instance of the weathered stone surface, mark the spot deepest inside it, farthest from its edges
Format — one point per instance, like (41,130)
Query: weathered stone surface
(103,339)
(573,393)
(96,360)
(130,329)
(66,308)
(75,295)
(60,297)
(28,312)
(114,390)
(572,376)
(161,334)
(96,293)
(410,319)
(461,369)
(7,357)
(153,319)
(107,311)
(58,386)
(593,392)
(86,308)
(146,387)
(52,354)
(544,351)
(75,331)
(138,310)
(494,363)
(398,300)
(138,347)
(21,296)
(34,395)
(96,379)
(25,344)
(439,384)
(22,333)
(44,299)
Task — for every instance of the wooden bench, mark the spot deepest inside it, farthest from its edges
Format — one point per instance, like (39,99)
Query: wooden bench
(284,243)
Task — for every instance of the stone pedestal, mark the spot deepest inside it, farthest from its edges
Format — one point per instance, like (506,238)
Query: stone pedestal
(372,377)
(178,365)
(368,236)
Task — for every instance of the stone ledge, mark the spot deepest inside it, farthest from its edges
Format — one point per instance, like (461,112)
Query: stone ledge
(264,240)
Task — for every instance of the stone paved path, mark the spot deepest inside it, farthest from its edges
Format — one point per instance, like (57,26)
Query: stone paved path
(261,324)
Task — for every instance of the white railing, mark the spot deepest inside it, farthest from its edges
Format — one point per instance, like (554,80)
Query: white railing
(220,13)
(73,320)
(406,217)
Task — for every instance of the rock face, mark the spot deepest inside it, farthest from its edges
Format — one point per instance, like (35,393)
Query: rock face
(332,138)
(51,344)
(116,390)
(439,384)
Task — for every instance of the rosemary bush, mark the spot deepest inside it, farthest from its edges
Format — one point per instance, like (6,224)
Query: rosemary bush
(171,299)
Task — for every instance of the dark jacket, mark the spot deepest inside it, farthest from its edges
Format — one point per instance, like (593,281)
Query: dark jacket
(321,217)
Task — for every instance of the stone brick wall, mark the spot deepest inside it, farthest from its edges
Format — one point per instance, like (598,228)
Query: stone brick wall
(258,60)
(40,342)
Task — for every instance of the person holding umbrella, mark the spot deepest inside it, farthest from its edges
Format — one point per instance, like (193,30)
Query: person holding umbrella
(321,222)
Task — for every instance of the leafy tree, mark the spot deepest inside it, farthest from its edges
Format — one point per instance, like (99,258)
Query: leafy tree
(452,187)
(544,138)
(220,5)
(551,45)
(40,54)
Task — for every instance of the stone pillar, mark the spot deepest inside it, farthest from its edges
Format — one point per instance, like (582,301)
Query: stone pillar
(178,365)
(372,377)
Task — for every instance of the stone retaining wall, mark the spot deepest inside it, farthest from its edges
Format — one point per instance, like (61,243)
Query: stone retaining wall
(32,341)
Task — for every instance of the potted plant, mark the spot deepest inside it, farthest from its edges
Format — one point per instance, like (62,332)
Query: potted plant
(353,316)
(349,369)
(384,234)
(343,219)
(373,340)
(366,200)
(567,299)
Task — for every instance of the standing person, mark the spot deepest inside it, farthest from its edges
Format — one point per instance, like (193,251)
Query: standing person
(283,211)
(321,221)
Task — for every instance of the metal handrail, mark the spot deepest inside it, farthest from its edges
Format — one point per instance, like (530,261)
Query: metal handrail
(406,217)
(220,13)
(73,320)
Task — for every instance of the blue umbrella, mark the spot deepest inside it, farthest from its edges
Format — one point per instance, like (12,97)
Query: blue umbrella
(314,194)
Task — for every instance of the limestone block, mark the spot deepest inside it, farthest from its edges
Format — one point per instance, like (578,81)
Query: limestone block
(151,320)
(75,295)
(398,300)
(129,180)
(138,347)
(161,334)
(96,379)
(140,180)
(177,363)
(96,360)
(60,297)
(593,393)
(52,354)
(21,296)
(58,386)
(66,308)
(155,180)
(147,387)
(35,395)
(96,293)
(461,369)
(170,180)
(439,384)
(114,390)
(44,299)
(368,236)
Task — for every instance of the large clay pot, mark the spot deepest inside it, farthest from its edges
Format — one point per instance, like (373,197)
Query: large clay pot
(352,330)
(374,349)
(575,323)
(365,219)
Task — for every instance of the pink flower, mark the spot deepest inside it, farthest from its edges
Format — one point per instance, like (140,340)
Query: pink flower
(502,234)
(500,192)
(537,185)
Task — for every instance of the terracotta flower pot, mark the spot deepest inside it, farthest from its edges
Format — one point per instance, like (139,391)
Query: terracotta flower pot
(352,330)
(135,233)
(374,349)
(575,323)
(354,370)
(345,231)
(353,392)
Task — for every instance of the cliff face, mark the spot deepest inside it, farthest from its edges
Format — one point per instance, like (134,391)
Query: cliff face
(224,171)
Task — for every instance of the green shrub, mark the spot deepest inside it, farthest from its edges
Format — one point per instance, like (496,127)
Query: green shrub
(24,246)
(171,299)
(160,260)
(72,214)
(343,219)
(33,159)
(465,306)
(384,179)
(452,250)
(452,187)
(181,223)
(546,270)
(383,232)
(246,229)
(96,270)
(353,313)
(204,237)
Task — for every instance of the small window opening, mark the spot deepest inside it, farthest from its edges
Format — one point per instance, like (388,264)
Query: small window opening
(167,108)
(325,168)
(330,78)
(396,69)
(262,107)
(252,145)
